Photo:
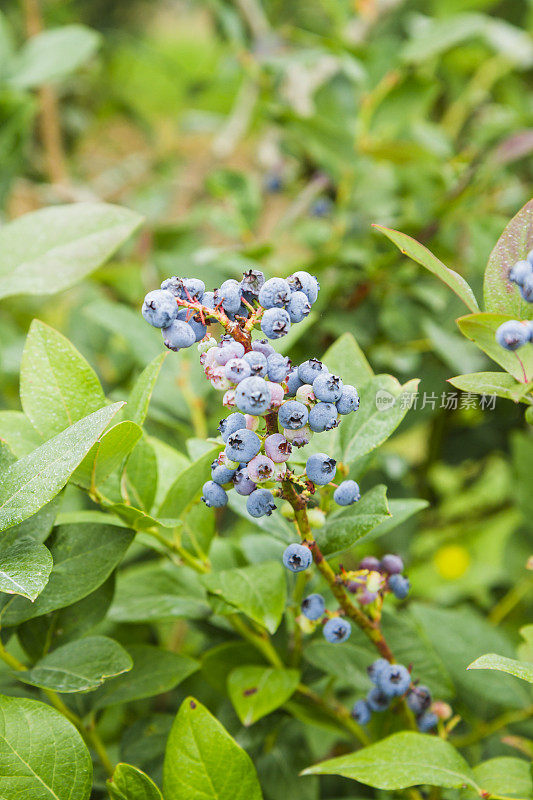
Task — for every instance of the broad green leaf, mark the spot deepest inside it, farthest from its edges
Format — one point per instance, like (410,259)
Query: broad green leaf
(384,403)
(516,241)
(80,666)
(42,755)
(259,591)
(402,760)
(410,247)
(345,358)
(510,665)
(37,526)
(434,36)
(219,661)
(154,671)
(107,454)
(343,529)
(401,510)
(203,762)
(49,250)
(506,776)
(170,462)
(492,383)
(32,481)
(273,524)
(525,649)
(18,433)
(139,399)
(130,783)
(187,486)
(143,341)
(349,665)
(481,328)
(141,476)
(256,691)
(84,556)
(25,566)
(57,385)
(53,54)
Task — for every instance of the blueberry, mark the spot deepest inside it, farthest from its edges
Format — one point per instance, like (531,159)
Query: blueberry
(327,387)
(159,308)
(175,286)
(419,699)
(529,257)
(526,290)
(391,563)
(349,400)
(393,680)
(278,367)
(253,396)
(520,271)
(195,288)
(304,394)
(260,503)
(313,606)
(274,293)
(227,351)
(275,323)
(513,334)
(361,712)
(277,448)
(370,562)
(323,417)
(251,283)
(257,363)
(273,183)
(214,495)
(208,300)
(293,382)
(220,473)
(293,415)
(309,370)
(336,630)
(376,668)
(300,437)
(377,700)
(347,493)
(320,468)
(427,721)
(261,469)
(237,369)
(234,422)
(178,335)
(243,445)
(298,307)
(399,586)
(277,393)
(297,557)
(321,207)
(229,295)
(263,346)
(302,281)
(198,328)
(242,482)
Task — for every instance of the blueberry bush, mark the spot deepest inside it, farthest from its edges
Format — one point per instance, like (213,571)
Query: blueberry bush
(282,546)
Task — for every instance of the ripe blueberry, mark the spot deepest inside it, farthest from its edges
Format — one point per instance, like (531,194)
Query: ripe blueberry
(297,557)
(361,712)
(260,503)
(159,308)
(275,323)
(336,630)
(214,495)
(293,415)
(253,396)
(399,586)
(347,493)
(320,468)
(313,606)
(243,445)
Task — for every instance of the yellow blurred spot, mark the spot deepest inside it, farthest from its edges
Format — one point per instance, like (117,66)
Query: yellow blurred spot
(451,561)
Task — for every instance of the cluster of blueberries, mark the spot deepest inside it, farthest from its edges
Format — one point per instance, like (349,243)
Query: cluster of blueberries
(515,333)
(390,681)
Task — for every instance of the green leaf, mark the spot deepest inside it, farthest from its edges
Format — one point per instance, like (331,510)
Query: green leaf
(510,665)
(54,248)
(505,776)
(349,665)
(384,403)
(343,529)
(401,509)
(516,241)
(203,762)
(80,666)
(18,433)
(154,671)
(187,486)
(492,383)
(25,567)
(53,54)
(42,754)
(130,783)
(32,481)
(481,328)
(259,591)
(57,385)
(73,548)
(410,247)
(402,760)
(107,454)
(345,358)
(38,526)
(256,691)
(143,341)
(139,399)
(141,475)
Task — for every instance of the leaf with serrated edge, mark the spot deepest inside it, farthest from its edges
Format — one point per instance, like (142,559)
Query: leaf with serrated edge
(257,691)
(519,669)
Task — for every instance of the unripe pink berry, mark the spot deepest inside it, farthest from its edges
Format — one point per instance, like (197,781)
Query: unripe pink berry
(229,398)
(252,423)
(277,448)
(305,394)
(277,394)
(218,379)
(261,469)
(300,437)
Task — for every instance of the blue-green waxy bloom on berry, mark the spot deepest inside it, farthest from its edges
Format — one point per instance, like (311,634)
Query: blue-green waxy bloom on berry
(419,699)
(377,700)
(214,495)
(293,415)
(349,400)
(526,288)
(313,606)
(293,382)
(243,483)
(393,680)
(237,369)
(320,468)
(278,367)
(252,396)
(229,295)
(520,272)
(337,630)
(298,307)
(275,323)
(231,424)
(228,351)
(513,334)
(427,721)
(361,712)
(260,503)
(375,668)
(309,370)
(399,586)
(257,363)
(220,473)
(391,563)
(302,281)
(297,557)
(347,493)
(178,335)
(327,387)
(252,281)
(274,293)
(263,346)
(243,445)
(159,308)
(323,417)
